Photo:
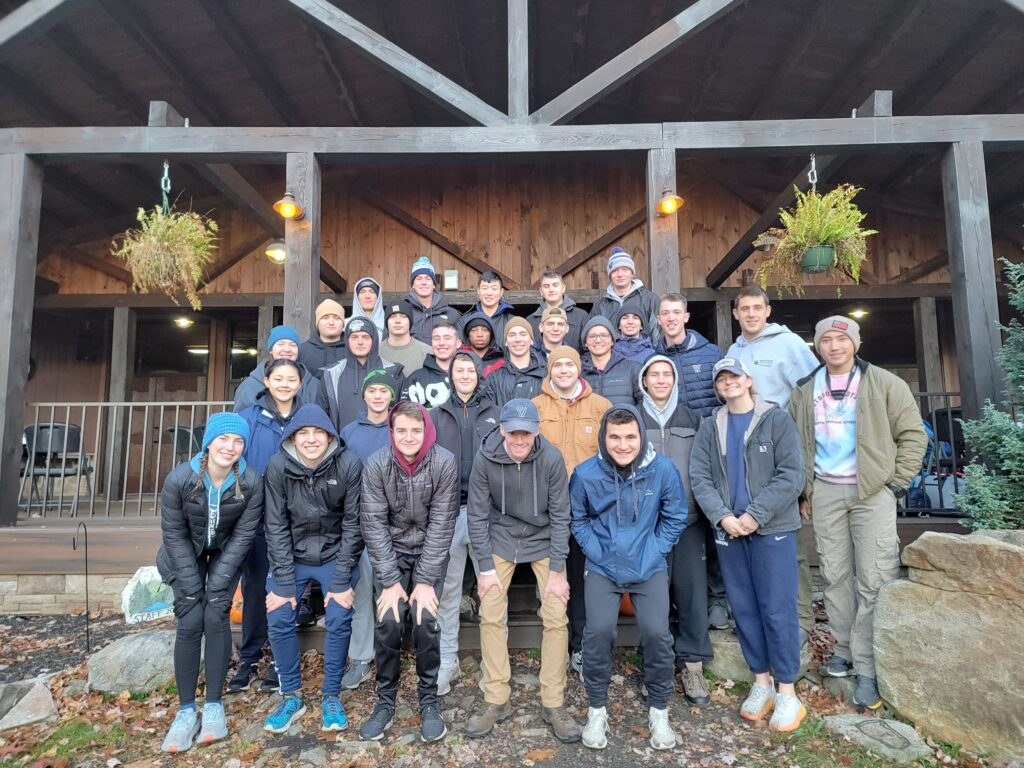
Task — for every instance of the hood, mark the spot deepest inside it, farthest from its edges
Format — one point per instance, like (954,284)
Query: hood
(611,294)
(771,329)
(310,415)
(377,315)
(646,454)
(429,438)
(492,447)
(479,391)
(430,364)
(493,351)
(660,415)
(314,340)
(634,310)
(690,342)
(374,338)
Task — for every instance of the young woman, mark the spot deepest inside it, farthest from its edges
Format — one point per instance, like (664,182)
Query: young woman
(747,474)
(210,508)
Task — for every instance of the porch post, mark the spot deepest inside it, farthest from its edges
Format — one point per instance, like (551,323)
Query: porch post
(972,274)
(21,192)
(662,231)
(122,363)
(264,322)
(302,268)
(723,324)
(929,356)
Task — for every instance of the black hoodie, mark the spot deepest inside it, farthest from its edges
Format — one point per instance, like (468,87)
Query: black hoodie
(315,353)
(430,386)
(508,382)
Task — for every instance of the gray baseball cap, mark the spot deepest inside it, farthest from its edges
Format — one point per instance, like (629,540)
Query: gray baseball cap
(520,414)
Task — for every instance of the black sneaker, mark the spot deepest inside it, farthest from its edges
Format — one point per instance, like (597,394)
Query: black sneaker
(866,694)
(432,727)
(271,682)
(305,617)
(242,679)
(373,729)
(837,666)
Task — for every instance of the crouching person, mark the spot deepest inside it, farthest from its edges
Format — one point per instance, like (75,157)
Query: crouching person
(410,501)
(210,508)
(628,510)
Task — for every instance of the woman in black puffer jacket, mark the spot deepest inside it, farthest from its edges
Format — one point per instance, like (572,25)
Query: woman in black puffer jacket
(210,508)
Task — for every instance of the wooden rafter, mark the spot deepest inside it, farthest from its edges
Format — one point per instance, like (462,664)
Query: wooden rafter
(100,265)
(81,192)
(332,66)
(518,60)
(33,100)
(232,257)
(455,17)
(31,19)
(936,262)
(723,34)
(578,41)
(593,248)
(1017,5)
(655,18)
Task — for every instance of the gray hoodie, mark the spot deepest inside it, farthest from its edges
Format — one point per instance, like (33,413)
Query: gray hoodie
(777,359)
(376,316)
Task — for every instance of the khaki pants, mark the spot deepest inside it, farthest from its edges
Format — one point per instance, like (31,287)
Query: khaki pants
(859,551)
(554,647)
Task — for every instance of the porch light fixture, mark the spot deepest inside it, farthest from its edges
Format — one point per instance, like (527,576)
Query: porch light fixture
(288,208)
(184,322)
(670,203)
(277,251)
(198,351)
(859,314)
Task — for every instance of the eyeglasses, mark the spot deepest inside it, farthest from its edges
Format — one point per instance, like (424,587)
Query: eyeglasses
(599,337)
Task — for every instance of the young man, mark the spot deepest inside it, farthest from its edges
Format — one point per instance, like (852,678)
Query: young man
(625,290)
(605,368)
(627,551)
(672,428)
(693,355)
(409,503)
(364,437)
(570,415)
(428,304)
(554,325)
(341,391)
(461,423)
(367,301)
(633,340)
(400,347)
(523,371)
(312,521)
(489,291)
(528,526)
(283,344)
(552,294)
(431,385)
(479,340)
(862,442)
(324,347)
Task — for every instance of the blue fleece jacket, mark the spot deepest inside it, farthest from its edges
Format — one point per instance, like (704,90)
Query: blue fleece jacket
(777,359)
(364,438)
(694,357)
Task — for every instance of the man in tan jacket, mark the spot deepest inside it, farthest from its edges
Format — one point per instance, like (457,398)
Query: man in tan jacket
(570,418)
(862,443)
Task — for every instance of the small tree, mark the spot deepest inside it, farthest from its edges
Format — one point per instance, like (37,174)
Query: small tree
(994,493)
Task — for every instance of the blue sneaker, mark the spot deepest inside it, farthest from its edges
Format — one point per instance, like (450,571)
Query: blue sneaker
(215,723)
(183,731)
(334,714)
(287,712)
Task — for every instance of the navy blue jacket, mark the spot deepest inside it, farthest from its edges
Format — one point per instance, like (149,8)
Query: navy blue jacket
(619,381)
(364,438)
(266,429)
(694,358)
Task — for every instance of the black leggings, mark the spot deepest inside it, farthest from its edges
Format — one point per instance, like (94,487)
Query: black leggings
(196,619)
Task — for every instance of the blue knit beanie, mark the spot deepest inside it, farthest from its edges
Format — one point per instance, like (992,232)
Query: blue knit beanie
(620,258)
(279,332)
(226,423)
(422,266)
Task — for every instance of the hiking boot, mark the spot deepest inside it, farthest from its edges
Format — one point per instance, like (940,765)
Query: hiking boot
(564,727)
(287,712)
(595,733)
(356,673)
(449,671)
(837,666)
(432,727)
(718,616)
(271,682)
(866,693)
(662,735)
(485,719)
(243,677)
(381,719)
(182,731)
(576,663)
(304,616)
(759,702)
(333,714)
(789,713)
(695,687)
(215,723)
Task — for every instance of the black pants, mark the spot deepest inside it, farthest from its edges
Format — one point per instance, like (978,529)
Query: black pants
(387,642)
(196,619)
(577,607)
(254,601)
(690,594)
(716,584)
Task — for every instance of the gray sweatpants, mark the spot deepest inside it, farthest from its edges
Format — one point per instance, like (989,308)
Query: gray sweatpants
(451,597)
(361,646)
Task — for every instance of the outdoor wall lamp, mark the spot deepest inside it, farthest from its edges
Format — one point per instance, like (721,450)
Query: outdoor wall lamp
(276,251)
(670,203)
(288,208)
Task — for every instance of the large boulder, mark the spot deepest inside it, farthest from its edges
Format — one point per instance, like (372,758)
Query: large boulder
(948,640)
(139,663)
(891,738)
(729,664)
(24,703)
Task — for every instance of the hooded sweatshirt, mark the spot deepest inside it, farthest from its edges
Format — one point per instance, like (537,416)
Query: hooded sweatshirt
(643,300)
(509,382)
(577,319)
(315,353)
(777,360)
(252,385)
(494,356)
(376,316)
(266,428)
(423,318)
(638,349)
(627,519)
(363,437)
(430,385)
(502,314)
(341,391)
(694,357)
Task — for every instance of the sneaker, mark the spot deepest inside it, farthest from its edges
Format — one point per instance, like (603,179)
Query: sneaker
(304,616)
(373,729)
(566,729)
(662,735)
(334,717)
(759,702)
(643,691)
(271,682)
(215,723)
(866,693)
(718,616)
(576,663)
(595,732)
(287,712)
(695,687)
(837,666)
(789,713)
(432,727)
(183,730)
(243,677)
(449,671)
(356,673)
(484,720)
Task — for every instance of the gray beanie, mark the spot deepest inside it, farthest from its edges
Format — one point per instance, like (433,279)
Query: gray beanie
(837,323)
(594,322)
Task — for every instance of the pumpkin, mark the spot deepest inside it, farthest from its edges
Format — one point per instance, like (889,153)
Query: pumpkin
(236,606)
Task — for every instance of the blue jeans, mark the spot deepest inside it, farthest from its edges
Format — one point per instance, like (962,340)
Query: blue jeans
(285,642)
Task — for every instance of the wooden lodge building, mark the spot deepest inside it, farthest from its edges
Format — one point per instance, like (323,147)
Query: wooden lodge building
(513,135)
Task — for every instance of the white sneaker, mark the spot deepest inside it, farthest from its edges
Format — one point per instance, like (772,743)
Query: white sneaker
(789,713)
(449,671)
(595,733)
(662,735)
(759,702)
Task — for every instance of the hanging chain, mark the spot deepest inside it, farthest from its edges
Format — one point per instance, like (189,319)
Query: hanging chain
(165,187)
(812,175)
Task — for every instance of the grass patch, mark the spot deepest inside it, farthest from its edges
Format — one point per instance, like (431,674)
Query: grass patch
(533,653)
(76,736)
(140,696)
(171,689)
(634,658)
(811,746)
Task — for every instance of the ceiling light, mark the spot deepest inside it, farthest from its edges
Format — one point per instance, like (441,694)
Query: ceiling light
(288,208)
(184,322)
(198,351)
(276,251)
(857,314)
(670,203)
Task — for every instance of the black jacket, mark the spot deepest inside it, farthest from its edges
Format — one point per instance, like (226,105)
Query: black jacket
(315,353)
(341,388)
(619,382)
(577,319)
(509,382)
(423,318)
(429,386)
(461,427)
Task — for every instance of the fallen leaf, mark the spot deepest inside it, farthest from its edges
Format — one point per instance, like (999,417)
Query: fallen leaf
(540,754)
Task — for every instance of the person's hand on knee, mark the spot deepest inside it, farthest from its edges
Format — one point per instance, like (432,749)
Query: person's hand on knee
(388,601)
(425,599)
(485,582)
(276,601)
(344,599)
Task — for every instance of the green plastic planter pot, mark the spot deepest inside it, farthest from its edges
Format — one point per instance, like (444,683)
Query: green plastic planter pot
(818,259)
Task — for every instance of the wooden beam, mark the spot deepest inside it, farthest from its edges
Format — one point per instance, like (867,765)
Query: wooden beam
(232,257)
(332,278)
(302,267)
(425,230)
(264,324)
(1017,5)
(723,324)
(915,273)
(590,250)
(632,61)
(662,231)
(518,60)
(28,96)
(411,70)
(455,19)
(31,19)
(334,72)
(972,273)
(45,286)
(711,66)
(578,42)
(94,262)
(929,352)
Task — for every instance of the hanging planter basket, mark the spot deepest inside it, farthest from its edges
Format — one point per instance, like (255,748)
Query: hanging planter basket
(820,258)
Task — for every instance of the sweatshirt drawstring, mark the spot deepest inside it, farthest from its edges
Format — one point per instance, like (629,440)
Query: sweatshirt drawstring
(502,489)
(535,504)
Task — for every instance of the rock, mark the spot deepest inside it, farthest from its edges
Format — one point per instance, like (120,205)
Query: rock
(139,663)
(403,712)
(947,641)
(353,747)
(526,680)
(535,733)
(405,741)
(250,732)
(840,686)
(315,757)
(468,702)
(523,719)
(729,663)
(891,738)
(75,687)
(24,704)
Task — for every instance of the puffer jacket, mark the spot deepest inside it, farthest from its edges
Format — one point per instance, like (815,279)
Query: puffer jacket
(694,357)
(456,420)
(627,526)
(519,511)
(423,318)
(577,319)
(617,381)
(186,527)
(571,425)
(508,382)
(411,515)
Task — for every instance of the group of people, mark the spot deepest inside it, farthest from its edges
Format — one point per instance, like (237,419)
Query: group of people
(617,453)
